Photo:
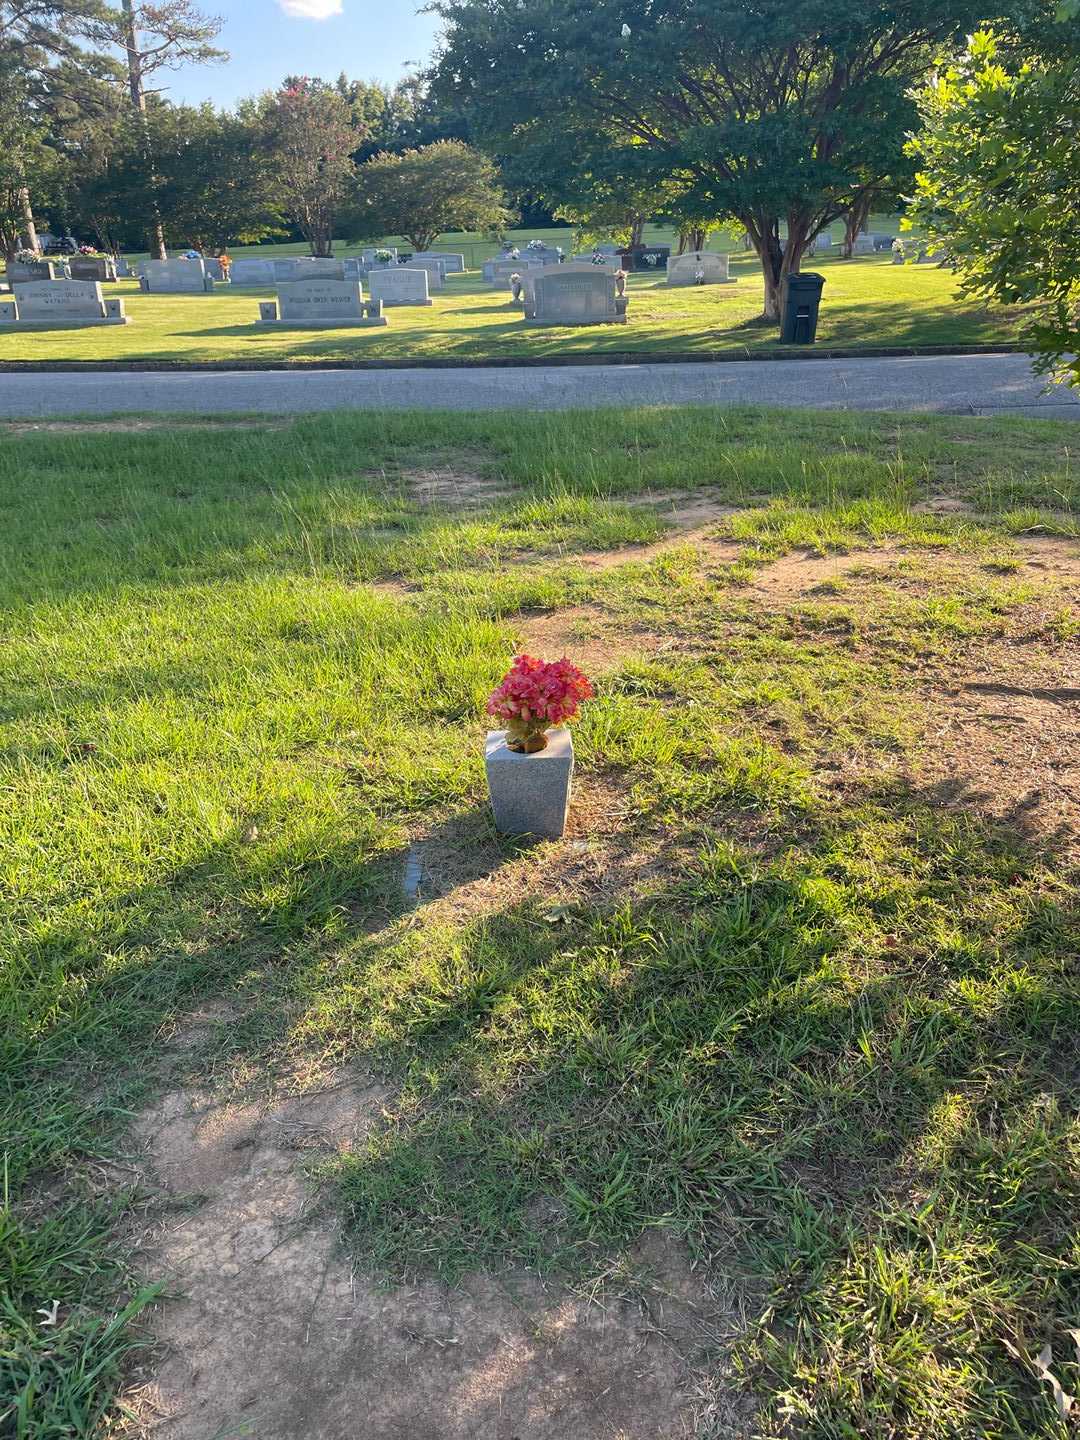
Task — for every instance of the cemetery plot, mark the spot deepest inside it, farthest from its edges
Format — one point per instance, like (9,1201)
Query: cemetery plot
(698,267)
(399,285)
(61,305)
(580,295)
(321,304)
(175,277)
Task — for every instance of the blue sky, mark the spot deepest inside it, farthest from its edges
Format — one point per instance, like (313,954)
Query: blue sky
(269,39)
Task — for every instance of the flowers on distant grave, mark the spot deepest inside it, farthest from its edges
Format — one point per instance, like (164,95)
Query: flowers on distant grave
(620,282)
(27,257)
(534,695)
(383,256)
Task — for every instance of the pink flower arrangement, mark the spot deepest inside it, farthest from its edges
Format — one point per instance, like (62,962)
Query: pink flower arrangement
(536,694)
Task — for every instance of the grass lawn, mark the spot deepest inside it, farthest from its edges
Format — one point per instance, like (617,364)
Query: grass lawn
(797,997)
(867,302)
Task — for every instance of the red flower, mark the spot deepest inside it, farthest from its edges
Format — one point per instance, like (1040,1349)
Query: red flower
(536,694)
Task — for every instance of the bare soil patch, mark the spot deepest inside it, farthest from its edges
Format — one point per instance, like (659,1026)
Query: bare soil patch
(136,426)
(269,1332)
(591,635)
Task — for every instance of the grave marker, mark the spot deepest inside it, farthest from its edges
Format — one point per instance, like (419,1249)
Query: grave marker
(698,267)
(61,305)
(401,285)
(581,295)
(175,277)
(321,304)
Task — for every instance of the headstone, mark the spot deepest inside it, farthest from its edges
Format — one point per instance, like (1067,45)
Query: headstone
(215,269)
(436,269)
(698,267)
(249,270)
(452,264)
(652,258)
(602,262)
(575,295)
(925,258)
(92,267)
(20,271)
(308,267)
(175,277)
(368,255)
(123,269)
(546,254)
(864,244)
(881,241)
(401,285)
(315,304)
(62,304)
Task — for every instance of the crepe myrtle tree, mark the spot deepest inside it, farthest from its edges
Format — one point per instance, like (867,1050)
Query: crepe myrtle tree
(763,108)
(999,179)
(422,193)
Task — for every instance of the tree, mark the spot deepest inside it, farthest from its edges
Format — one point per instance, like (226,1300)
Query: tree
(999,183)
(154,37)
(313,134)
(43,60)
(759,110)
(422,193)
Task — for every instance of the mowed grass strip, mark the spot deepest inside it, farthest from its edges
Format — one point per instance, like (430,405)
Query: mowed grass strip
(827,1034)
(867,302)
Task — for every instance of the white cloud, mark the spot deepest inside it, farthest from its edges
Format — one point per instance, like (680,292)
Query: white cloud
(310,9)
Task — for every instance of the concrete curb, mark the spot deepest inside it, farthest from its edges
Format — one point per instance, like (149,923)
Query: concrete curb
(502,362)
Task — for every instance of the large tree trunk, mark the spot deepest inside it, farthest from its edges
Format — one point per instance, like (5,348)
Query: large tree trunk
(155,233)
(28,226)
(854,221)
(637,231)
(779,259)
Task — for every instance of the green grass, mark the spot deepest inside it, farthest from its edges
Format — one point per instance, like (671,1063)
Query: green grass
(829,1037)
(867,303)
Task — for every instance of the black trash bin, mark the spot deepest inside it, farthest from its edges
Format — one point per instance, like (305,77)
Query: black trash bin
(799,312)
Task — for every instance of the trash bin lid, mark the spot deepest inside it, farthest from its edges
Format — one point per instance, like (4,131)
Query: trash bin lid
(805,280)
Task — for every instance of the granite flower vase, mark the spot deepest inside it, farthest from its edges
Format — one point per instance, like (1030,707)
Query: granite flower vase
(530,789)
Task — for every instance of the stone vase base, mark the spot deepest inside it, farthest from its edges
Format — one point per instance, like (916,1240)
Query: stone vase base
(530,794)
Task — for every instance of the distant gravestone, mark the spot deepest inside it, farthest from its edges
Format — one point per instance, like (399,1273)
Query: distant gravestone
(123,269)
(251,271)
(369,253)
(399,285)
(215,269)
(308,267)
(92,267)
(436,269)
(321,304)
(864,244)
(21,271)
(698,267)
(452,264)
(602,262)
(925,258)
(61,304)
(579,295)
(175,277)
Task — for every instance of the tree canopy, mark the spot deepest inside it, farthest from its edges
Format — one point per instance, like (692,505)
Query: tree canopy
(756,109)
(422,193)
(999,179)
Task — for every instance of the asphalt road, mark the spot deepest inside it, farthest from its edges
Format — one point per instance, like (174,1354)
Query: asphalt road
(955,384)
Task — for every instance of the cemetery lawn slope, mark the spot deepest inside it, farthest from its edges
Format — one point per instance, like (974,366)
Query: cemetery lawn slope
(867,303)
(800,987)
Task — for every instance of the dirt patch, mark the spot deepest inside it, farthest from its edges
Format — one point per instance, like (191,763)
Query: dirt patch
(588,633)
(270,1333)
(1004,738)
(448,488)
(136,426)
(802,571)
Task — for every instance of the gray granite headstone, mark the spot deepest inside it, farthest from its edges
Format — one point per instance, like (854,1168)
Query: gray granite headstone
(20,271)
(63,304)
(322,303)
(436,269)
(249,270)
(308,267)
(400,285)
(580,295)
(698,267)
(175,277)
(452,264)
(92,267)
